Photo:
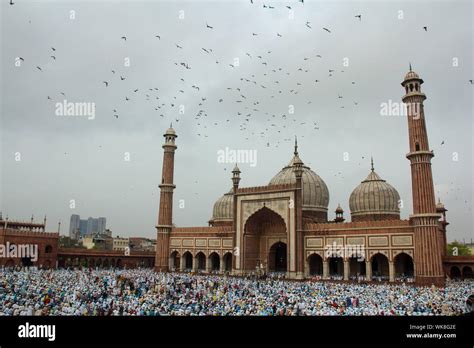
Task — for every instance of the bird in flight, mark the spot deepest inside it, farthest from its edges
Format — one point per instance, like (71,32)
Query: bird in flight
(124,38)
(11,2)
(327,30)
(158,36)
(178,46)
(426,28)
(106,83)
(39,68)
(278,34)
(358,16)
(53,57)
(122,78)
(208,26)
(307,24)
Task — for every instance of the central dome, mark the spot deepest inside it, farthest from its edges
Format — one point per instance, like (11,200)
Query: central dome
(315,192)
(374,199)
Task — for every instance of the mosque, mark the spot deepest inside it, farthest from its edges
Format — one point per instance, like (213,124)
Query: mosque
(284,227)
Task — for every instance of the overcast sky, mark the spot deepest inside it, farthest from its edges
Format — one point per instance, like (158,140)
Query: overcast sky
(49,160)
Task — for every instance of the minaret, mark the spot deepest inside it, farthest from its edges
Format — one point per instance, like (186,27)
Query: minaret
(298,206)
(428,254)
(165,214)
(235,186)
(339,214)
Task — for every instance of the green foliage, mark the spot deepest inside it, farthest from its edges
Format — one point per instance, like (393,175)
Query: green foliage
(462,249)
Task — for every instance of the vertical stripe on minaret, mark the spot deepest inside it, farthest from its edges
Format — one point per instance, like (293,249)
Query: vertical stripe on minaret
(428,253)
(165,213)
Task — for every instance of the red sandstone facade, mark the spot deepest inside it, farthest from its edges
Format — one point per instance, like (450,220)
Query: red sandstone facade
(51,256)
(29,233)
(283,226)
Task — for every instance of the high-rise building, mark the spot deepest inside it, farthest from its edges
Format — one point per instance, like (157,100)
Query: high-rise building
(83,227)
(90,225)
(101,224)
(80,227)
(74,226)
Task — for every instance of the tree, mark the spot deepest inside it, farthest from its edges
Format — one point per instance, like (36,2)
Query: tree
(458,249)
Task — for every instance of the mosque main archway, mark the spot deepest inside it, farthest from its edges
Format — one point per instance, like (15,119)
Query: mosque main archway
(265,242)
(277,258)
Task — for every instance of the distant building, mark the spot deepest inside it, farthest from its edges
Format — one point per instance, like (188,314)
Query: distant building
(120,244)
(81,227)
(101,224)
(97,241)
(74,226)
(88,242)
(142,244)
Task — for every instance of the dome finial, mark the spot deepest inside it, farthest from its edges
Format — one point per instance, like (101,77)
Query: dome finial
(371,163)
(296,146)
(410,66)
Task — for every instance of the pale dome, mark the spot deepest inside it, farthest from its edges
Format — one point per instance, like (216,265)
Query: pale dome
(411,75)
(315,192)
(223,208)
(374,196)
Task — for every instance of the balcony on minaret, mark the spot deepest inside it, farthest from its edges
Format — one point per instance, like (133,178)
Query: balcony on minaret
(170,136)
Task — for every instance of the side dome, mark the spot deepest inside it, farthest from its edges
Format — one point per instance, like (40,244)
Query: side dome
(374,199)
(223,208)
(315,192)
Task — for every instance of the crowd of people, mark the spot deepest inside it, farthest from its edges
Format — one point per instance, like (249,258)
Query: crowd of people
(145,292)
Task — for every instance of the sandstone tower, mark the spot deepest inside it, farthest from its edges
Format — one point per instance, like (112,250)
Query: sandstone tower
(428,253)
(165,213)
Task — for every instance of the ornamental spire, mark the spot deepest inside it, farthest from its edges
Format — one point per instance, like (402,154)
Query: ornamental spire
(296,147)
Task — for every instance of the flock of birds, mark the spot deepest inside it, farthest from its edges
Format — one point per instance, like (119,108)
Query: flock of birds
(238,96)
